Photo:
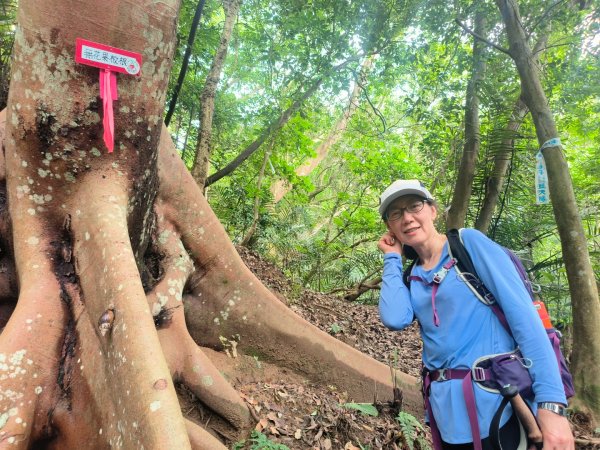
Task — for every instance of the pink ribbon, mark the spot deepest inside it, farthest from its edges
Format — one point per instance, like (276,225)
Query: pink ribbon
(108,93)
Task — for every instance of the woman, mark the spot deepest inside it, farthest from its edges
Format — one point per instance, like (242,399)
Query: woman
(457,329)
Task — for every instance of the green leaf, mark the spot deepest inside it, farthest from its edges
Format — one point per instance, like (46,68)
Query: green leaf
(365,408)
(335,328)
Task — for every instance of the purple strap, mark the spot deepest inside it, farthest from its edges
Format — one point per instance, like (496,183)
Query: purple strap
(555,344)
(467,388)
(435,432)
(437,280)
(436,319)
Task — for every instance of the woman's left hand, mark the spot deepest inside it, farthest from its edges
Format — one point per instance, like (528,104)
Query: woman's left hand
(389,244)
(556,431)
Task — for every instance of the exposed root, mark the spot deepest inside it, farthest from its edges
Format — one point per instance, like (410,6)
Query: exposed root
(187,362)
(225,299)
(202,439)
(27,375)
(126,375)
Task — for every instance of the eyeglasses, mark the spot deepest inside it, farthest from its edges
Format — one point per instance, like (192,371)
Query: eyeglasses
(413,208)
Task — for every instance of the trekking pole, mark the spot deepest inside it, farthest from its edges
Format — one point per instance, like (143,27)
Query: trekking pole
(524,414)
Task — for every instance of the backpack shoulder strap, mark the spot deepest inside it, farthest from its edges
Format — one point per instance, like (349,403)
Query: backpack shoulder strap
(459,252)
(466,269)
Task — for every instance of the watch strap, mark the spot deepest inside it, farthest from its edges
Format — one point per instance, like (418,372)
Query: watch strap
(556,408)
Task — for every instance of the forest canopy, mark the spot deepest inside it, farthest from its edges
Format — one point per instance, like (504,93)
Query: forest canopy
(404,118)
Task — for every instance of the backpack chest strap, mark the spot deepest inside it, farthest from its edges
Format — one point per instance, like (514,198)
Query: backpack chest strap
(438,277)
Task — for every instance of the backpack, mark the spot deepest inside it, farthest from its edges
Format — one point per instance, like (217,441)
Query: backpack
(464,266)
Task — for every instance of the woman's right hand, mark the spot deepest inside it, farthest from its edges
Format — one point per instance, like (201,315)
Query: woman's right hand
(389,244)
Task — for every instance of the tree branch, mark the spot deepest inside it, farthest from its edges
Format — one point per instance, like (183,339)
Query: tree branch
(543,16)
(373,107)
(255,145)
(552,46)
(481,38)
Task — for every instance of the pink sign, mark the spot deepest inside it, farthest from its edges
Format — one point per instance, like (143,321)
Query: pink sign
(106,57)
(112,60)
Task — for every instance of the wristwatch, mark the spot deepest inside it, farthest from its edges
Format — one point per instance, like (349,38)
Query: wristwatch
(556,408)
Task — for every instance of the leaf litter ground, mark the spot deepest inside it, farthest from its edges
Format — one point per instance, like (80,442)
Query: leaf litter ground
(292,411)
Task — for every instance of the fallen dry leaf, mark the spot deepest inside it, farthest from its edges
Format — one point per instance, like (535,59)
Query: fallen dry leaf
(261,425)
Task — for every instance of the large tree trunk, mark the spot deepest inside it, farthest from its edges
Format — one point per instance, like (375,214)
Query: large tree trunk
(462,190)
(74,210)
(585,362)
(108,251)
(502,159)
(207,98)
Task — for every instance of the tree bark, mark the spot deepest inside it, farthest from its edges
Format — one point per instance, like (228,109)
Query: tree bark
(462,191)
(73,213)
(440,176)
(584,293)
(116,263)
(502,159)
(207,97)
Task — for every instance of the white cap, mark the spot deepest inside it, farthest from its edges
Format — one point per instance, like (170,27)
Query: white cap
(399,188)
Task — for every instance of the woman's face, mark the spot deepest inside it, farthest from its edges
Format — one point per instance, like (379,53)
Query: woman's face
(412,228)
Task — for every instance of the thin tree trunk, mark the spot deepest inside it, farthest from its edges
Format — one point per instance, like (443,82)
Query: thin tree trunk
(462,192)
(207,98)
(274,126)
(441,175)
(187,135)
(256,214)
(582,286)
(185,62)
(502,160)
(280,188)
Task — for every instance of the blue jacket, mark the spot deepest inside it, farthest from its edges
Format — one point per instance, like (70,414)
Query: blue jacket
(468,329)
